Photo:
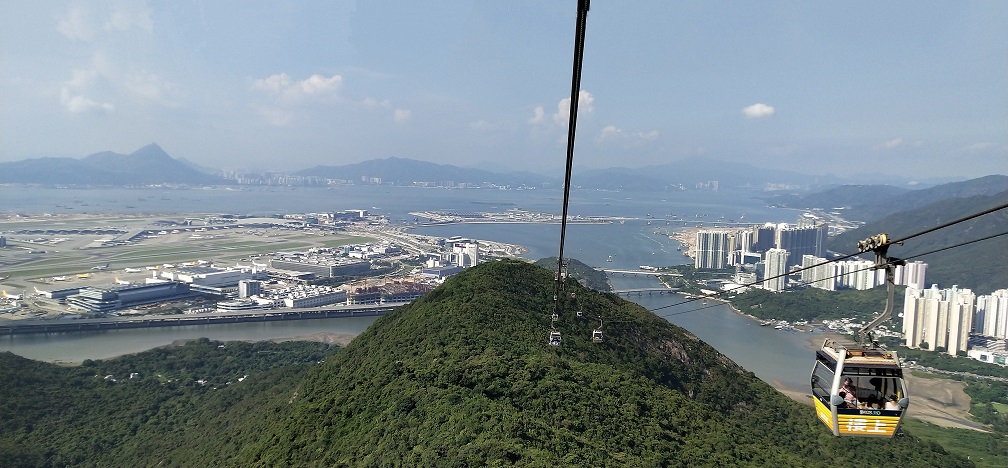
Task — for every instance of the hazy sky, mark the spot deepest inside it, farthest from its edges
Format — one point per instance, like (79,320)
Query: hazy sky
(912,88)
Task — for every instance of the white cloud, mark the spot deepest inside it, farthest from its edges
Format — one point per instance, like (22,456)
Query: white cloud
(648,136)
(124,21)
(273,83)
(152,87)
(372,103)
(586,104)
(77,104)
(76,26)
(82,104)
(894,143)
(318,84)
(72,93)
(610,132)
(81,78)
(401,115)
(758,111)
(290,91)
(981,146)
(538,115)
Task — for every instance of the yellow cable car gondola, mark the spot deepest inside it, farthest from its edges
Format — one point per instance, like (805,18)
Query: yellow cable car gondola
(860,391)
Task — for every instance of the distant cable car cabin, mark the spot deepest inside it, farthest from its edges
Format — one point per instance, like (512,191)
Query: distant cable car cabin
(554,338)
(879,400)
(597,335)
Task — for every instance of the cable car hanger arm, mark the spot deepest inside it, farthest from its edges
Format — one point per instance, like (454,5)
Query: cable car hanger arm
(879,244)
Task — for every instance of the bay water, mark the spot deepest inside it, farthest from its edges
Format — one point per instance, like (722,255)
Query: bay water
(778,357)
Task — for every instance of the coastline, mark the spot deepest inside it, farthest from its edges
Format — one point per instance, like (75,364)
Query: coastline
(329,338)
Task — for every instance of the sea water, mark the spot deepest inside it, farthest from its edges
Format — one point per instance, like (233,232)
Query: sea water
(641,239)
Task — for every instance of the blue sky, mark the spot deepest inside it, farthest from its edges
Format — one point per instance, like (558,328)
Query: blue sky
(919,90)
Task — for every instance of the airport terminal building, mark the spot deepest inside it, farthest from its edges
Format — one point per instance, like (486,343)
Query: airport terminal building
(105,300)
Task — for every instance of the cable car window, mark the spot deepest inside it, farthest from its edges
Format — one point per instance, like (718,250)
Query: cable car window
(822,381)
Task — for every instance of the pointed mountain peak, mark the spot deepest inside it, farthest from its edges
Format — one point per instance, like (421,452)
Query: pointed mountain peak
(151,151)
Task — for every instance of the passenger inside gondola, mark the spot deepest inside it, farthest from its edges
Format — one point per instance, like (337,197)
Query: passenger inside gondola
(891,404)
(849,392)
(846,403)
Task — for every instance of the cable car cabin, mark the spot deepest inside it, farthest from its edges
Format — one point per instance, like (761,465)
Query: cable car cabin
(554,338)
(871,404)
(597,336)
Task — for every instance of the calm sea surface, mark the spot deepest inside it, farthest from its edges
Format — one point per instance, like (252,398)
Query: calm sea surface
(771,354)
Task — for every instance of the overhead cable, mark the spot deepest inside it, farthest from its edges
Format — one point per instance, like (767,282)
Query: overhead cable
(844,257)
(582,19)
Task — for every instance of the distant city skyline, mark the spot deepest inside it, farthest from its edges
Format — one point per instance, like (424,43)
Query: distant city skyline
(857,88)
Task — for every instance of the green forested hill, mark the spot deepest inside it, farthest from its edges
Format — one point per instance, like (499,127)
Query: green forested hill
(179,404)
(980,266)
(464,377)
(461,377)
(584,274)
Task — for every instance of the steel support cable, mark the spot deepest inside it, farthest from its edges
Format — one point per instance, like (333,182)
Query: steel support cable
(926,231)
(961,244)
(582,19)
(951,223)
(712,296)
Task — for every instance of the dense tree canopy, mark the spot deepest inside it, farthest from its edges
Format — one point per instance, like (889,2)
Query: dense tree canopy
(461,377)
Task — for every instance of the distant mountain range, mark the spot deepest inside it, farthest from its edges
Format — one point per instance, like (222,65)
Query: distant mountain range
(980,266)
(146,166)
(150,165)
(871,202)
(688,174)
(400,171)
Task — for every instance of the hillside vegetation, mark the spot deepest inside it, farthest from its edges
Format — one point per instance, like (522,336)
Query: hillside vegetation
(979,266)
(584,274)
(165,406)
(464,377)
(461,377)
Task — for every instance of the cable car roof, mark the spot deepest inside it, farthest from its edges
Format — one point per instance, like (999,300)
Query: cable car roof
(858,357)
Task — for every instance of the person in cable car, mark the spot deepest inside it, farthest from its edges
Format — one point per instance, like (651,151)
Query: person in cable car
(892,404)
(851,392)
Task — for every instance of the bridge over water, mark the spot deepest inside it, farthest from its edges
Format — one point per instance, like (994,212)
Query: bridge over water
(644,291)
(639,272)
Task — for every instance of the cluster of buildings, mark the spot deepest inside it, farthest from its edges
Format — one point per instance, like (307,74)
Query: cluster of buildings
(166,285)
(457,253)
(771,250)
(957,321)
(726,247)
(254,296)
(857,274)
(768,254)
(244,287)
